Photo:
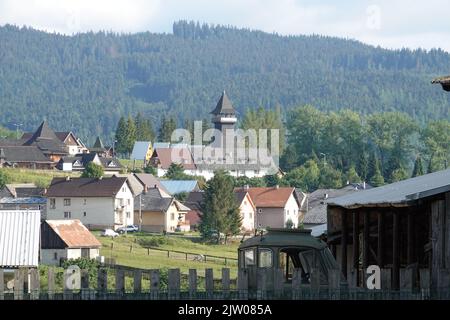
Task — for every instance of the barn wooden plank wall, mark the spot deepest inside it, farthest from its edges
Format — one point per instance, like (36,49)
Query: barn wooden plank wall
(414,284)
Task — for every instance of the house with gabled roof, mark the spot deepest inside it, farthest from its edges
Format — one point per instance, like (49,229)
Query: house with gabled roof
(67,239)
(99,203)
(100,149)
(80,161)
(142,150)
(29,157)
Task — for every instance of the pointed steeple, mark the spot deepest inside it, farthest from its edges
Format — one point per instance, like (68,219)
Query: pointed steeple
(98,143)
(43,132)
(224,106)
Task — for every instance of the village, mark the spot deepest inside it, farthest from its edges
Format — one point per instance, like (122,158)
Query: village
(102,213)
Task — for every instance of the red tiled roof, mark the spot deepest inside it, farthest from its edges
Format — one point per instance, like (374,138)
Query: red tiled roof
(270,197)
(74,233)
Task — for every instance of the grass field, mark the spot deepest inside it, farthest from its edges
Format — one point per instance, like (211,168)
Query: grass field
(41,178)
(131,250)
(130,164)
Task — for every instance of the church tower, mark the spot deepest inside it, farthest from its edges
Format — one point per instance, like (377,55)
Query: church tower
(224,119)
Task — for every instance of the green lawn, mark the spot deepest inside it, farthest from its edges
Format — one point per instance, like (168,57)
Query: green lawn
(130,250)
(127,163)
(41,178)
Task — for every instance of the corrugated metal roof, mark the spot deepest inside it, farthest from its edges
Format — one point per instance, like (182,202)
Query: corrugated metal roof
(19,238)
(140,150)
(398,193)
(178,186)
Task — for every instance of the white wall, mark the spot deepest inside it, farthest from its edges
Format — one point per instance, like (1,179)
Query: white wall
(247,214)
(291,211)
(48,255)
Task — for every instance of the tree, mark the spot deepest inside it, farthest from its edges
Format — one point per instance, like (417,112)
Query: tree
(305,177)
(377,178)
(168,125)
(175,172)
(436,140)
(4,178)
(399,174)
(92,170)
(151,170)
(330,178)
(272,180)
(220,212)
(130,135)
(352,176)
(144,128)
(418,167)
(121,136)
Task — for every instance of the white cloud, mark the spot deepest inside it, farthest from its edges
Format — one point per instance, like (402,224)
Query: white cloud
(389,23)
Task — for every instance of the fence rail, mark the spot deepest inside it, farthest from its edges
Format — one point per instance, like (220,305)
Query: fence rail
(25,284)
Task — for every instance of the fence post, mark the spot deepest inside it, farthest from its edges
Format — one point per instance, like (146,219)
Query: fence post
(192,283)
(225,283)
(2,285)
(154,283)
(137,281)
(34,284)
(242,283)
(102,280)
(209,283)
(85,292)
(386,283)
(51,283)
(174,283)
(425,283)
(18,284)
(334,282)
(168,254)
(120,282)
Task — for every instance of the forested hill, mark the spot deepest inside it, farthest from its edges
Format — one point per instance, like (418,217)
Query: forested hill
(87,81)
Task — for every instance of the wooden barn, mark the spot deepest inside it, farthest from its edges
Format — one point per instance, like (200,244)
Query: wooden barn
(403,225)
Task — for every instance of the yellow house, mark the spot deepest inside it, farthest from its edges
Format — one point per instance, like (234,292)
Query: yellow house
(142,150)
(155,211)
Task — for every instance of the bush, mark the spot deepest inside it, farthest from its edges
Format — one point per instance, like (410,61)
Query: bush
(154,241)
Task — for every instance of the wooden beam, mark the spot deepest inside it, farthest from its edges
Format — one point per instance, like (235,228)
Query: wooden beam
(381,236)
(395,251)
(366,234)
(410,238)
(344,233)
(355,236)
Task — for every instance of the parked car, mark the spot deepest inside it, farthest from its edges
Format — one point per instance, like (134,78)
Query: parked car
(109,233)
(130,228)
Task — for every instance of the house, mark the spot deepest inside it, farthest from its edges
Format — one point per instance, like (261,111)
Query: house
(315,208)
(80,161)
(74,145)
(276,207)
(23,197)
(180,186)
(162,158)
(142,150)
(401,225)
(246,206)
(19,238)
(99,203)
(29,157)
(67,239)
(154,211)
(135,184)
(101,150)
(46,140)
(148,181)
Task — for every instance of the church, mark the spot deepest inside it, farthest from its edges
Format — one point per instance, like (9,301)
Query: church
(230,150)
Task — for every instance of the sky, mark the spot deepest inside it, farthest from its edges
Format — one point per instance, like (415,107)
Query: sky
(385,23)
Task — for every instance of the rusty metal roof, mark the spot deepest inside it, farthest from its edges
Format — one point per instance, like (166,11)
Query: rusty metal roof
(19,238)
(74,233)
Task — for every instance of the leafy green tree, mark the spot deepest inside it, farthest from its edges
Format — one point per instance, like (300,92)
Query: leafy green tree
(330,178)
(144,128)
(220,212)
(4,178)
(377,178)
(130,135)
(175,172)
(151,170)
(418,167)
(92,170)
(251,182)
(272,180)
(168,125)
(352,176)
(121,136)
(436,140)
(305,177)
(399,174)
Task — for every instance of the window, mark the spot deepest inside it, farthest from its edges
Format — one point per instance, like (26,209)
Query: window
(128,215)
(172,216)
(250,215)
(84,201)
(55,255)
(85,252)
(259,210)
(287,212)
(249,257)
(52,203)
(84,214)
(128,201)
(265,258)
(66,202)
(67,215)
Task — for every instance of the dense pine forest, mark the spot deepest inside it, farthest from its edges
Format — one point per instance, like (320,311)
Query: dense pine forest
(86,82)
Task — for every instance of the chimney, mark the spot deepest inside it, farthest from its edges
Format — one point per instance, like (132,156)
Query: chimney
(246,187)
(325,196)
(364,185)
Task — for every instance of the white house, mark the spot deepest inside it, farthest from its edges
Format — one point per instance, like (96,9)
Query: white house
(98,203)
(67,239)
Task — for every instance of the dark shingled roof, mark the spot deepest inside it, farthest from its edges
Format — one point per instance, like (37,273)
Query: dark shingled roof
(224,106)
(152,200)
(23,154)
(46,140)
(85,187)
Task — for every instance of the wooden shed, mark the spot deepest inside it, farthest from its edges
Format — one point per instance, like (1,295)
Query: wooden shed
(400,225)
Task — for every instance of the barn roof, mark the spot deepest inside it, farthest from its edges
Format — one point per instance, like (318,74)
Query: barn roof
(74,234)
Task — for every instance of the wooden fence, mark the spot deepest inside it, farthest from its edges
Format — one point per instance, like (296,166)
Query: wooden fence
(265,284)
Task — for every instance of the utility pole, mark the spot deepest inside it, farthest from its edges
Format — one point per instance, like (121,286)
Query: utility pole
(140,212)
